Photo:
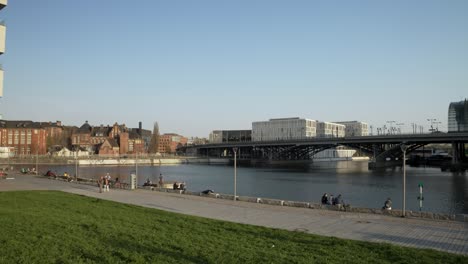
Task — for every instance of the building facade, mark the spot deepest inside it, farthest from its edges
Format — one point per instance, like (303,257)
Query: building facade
(329,129)
(284,129)
(169,142)
(220,136)
(108,140)
(3,3)
(355,128)
(458,117)
(23,137)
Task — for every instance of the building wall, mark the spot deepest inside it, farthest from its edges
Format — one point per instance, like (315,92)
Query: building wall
(216,136)
(328,129)
(284,129)
(219,136)
(123,142)
(168,143)
(355,128)
(458,117)
(24,141)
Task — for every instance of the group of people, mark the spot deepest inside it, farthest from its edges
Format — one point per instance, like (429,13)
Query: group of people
(331,200)
(104,183)
(179,186)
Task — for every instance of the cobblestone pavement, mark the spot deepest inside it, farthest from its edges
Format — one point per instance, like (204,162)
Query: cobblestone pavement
(450,236)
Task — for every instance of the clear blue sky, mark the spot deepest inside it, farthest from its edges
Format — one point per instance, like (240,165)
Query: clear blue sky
(196,66)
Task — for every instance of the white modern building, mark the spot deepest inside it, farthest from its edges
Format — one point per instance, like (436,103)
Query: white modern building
(458,117)
(355,128)
(284,129)
(329,129)
(3,3)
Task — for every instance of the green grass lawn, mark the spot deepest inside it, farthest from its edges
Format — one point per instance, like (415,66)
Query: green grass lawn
(56,227)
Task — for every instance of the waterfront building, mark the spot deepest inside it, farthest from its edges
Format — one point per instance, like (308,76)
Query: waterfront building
(221,136)
(329,129)
(23,137)
(169,142)
(355,128)
(3,3)
(458,116)
(197,141)
(144,134)
(284,129)
(108,140)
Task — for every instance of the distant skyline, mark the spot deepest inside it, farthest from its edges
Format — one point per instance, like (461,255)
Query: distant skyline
(198,66)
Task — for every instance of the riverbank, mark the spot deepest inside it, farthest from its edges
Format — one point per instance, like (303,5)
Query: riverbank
(450,236)
(96,230)
(287,203)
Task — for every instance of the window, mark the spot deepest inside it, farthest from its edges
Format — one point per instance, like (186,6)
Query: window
(28,137)
(10,137)
(16,138)
(23,137)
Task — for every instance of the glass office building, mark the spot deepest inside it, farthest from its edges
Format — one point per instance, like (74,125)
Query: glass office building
(458,117)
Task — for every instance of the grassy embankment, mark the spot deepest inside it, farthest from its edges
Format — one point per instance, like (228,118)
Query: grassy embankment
(56,227)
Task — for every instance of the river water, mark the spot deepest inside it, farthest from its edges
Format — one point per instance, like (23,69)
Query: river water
(444,192)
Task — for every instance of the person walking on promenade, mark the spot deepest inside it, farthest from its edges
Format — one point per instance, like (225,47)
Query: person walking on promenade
(160,180)
(107,179)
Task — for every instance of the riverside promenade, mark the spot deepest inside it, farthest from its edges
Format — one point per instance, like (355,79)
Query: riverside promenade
(444,235)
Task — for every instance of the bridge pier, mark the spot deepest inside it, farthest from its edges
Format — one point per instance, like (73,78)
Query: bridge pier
(458,152)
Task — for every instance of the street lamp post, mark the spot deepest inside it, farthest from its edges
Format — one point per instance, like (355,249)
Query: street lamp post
(432,120)
(403,149)
(400,125)
(391,127)
(235,173)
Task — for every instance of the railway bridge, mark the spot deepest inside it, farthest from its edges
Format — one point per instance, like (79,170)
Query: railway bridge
(378,148)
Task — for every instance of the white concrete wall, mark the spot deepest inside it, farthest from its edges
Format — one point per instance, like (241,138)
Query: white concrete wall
(284,129)
(355,128)
(328,129)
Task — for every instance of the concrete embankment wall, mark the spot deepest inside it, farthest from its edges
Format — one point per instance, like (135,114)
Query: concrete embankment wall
(170,161)
(278,202)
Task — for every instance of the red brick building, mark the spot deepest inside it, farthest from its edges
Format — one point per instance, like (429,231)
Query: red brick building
(109,147)
(169,142)
(25,137)
(106,140)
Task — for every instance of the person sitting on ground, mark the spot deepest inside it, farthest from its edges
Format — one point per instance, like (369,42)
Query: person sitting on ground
(147,183)
(207,191)
(325,198)
(339,201)
(331,200)
(388,204)
(117,183)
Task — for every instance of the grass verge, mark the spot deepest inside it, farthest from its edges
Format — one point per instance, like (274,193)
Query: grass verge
(57,227)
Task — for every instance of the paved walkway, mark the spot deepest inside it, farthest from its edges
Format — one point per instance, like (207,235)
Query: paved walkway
(441,235)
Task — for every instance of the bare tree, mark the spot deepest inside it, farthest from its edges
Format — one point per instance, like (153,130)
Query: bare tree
(154,143)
